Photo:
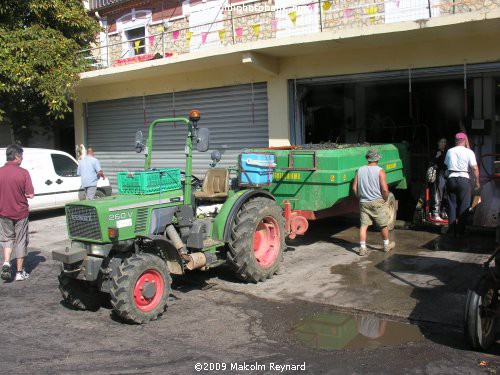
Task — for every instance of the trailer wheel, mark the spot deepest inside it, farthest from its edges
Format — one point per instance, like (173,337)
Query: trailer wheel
(393,211)
(79,295)
(140,289)
(480,324)
(257,240)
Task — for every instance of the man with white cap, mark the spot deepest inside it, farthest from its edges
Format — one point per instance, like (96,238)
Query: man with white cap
(370,186)
(460,160)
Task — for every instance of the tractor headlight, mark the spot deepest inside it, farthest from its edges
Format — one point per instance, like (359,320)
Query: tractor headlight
(99,250)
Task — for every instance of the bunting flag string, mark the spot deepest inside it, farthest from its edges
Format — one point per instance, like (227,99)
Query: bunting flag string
(293,17)
(222,34)
(151,40)
(256,29)
(175,35)
(372,10)
(189,35)
(137,44)
(311,7)
(348,13)
(274,24)
(204,37)
(327,5)
(239,32)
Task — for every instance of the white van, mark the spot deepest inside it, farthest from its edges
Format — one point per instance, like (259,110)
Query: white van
(54,178)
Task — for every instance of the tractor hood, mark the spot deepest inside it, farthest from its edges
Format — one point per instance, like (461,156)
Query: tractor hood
(91,220)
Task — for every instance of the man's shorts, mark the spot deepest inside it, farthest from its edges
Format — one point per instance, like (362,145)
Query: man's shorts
(376,211)
(14,235)
(90,192)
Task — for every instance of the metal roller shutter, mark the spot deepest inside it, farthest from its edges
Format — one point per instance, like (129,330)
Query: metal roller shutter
(235,115)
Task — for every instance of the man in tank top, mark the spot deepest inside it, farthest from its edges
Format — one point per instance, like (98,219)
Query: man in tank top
(370,186)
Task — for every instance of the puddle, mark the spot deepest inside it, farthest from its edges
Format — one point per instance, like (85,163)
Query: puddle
(337,331)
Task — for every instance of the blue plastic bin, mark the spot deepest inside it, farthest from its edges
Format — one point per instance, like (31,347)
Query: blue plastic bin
(257,169)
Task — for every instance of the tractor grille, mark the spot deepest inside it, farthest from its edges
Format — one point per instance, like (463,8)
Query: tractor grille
(141,220)
(83,222)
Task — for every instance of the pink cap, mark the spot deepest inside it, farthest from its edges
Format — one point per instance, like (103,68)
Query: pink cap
(460,136)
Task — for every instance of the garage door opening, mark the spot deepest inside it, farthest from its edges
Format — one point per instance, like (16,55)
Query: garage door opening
(417,108)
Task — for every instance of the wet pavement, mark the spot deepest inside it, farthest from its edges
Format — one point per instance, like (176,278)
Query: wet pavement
(329,309)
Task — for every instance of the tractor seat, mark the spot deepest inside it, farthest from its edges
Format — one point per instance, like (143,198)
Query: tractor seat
(215,185)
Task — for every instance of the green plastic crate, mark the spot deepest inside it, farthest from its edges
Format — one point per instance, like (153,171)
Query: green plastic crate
(149,182)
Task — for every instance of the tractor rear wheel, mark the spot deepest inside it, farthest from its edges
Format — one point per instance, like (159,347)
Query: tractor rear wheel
(78,294)
(140,289)
(257,240)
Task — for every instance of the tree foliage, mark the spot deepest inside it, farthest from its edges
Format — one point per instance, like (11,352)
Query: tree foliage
(40,61)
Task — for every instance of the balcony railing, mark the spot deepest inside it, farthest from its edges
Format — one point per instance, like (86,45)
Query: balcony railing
(234,28)
(98,4)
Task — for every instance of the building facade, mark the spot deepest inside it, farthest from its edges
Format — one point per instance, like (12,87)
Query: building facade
(275,72)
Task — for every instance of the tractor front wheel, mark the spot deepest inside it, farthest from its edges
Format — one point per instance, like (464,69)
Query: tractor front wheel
(140,289)
(78,294)
(257,240)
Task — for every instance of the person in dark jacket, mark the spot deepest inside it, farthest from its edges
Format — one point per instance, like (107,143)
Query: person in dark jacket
(438,186)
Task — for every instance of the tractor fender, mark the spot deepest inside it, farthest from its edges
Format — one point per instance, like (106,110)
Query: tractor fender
(227,214)
(171,254)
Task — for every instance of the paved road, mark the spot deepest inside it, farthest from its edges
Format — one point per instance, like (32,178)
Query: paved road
(290,320)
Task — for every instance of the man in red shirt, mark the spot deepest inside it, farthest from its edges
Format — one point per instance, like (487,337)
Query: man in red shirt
(15,188)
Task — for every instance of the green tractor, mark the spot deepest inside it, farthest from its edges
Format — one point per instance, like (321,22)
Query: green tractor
(126,247)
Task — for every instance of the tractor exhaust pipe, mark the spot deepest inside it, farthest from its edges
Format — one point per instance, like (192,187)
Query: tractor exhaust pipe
(176,240)
(198,260)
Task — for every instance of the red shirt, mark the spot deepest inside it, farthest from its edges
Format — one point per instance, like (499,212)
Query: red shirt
(15,184)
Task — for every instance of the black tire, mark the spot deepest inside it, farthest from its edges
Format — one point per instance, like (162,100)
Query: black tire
(129,276)
(79,294)
(393,211)
(257,213)
(479,325)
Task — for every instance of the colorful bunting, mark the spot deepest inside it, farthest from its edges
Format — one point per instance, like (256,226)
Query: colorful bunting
(311,6)
(137,44)
(397,3)
(239,32)
(348,13)
(222,34)
(151,40)
(175,35)
(327,5)
(274,24)
(293,17)
(204,37)
(189,35)
(372,10)
(256,29)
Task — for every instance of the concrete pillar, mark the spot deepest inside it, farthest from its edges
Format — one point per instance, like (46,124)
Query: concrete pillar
(278,112)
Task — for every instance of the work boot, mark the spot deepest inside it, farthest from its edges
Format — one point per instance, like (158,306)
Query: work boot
(362,251)
(6,272)
(391,245)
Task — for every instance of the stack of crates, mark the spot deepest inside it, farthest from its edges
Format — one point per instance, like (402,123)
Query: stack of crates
(149,182)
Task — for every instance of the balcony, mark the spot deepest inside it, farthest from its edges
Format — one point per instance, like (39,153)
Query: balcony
(237,25)
(98,4)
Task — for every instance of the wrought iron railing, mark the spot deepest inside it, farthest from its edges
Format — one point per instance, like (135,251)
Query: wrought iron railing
(315,16)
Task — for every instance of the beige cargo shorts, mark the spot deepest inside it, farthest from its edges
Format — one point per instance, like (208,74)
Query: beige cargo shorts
(376,211)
